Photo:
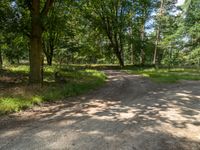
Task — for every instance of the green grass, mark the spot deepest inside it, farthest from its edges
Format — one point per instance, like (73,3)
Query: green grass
(14,104)
(79,82)
(23,69)
(24,97)
(168,76)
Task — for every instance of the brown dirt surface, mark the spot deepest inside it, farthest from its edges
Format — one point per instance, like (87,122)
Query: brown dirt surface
(129,113)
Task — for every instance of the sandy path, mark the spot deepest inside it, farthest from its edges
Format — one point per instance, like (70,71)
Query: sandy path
(128,113)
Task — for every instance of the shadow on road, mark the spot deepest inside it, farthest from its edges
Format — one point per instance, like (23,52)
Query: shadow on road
(126,114)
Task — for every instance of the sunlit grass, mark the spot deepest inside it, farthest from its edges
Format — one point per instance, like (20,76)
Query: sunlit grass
(79,82)
(17,68)
(13,104)
(168,76)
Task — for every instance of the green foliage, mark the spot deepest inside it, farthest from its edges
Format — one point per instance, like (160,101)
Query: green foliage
(79,82)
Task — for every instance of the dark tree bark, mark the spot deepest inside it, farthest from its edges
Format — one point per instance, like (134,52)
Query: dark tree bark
(112,33)
(119,56)
(133,60)
(1,60)
(142,51)
(113,37)
(35,54)
(49,59)
(48,47)
(48,51)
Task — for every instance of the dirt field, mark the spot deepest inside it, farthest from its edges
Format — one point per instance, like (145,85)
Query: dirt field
(129,113)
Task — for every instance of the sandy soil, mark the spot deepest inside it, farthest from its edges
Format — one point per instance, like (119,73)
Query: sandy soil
(129,113)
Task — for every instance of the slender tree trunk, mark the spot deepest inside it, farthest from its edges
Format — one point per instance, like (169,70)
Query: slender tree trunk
(133,54)
(142,52)
(156,47)
(119,57)
(115,45)
(133,60)
(129,53)
(118,53)
(48,53)
(121,49)
(35,54)
(49,60)
(155,61)
(1,60)
(118,50)
(51,49)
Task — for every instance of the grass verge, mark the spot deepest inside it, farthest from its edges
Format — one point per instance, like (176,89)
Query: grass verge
(167,76)
(21,96)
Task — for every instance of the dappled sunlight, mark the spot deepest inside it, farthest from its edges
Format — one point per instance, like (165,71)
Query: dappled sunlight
(107,122)
(118,119)
(172,115)
(64,123)
(109,110)
(44,134)
(185,95)
(11,133)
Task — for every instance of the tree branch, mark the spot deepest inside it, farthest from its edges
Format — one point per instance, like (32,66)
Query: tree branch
(47,6)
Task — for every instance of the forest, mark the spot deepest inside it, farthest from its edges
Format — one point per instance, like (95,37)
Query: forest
(54,41)
(124,32)
(115,65)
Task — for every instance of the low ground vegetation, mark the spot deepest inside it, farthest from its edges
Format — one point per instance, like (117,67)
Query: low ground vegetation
(167,75)
(16,94)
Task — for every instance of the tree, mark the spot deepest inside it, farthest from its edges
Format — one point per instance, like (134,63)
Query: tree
(1,60)
(109,17)
(1,57)
(192,22)
(145,12)
(37,28)
(159,16)
(166,23)
(4,14)
(55,27)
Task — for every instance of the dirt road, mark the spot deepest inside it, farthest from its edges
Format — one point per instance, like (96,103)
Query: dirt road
(129,113)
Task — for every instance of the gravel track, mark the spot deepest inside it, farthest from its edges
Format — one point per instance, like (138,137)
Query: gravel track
(129,113)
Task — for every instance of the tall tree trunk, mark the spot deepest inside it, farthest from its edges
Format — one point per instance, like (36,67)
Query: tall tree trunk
(51,49)
(119,57)
(132,48)
(48,48)
(133,54)
(129,53)
(115,45)
(48,51)
(118,53)
(35,54)
(142,52)
(121,49)
(1,60)
(155,59)
(49,60)
(118,50)
(156,47)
